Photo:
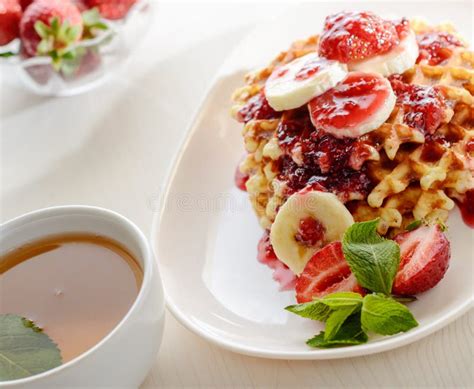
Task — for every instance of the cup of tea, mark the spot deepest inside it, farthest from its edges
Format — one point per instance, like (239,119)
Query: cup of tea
(81,300)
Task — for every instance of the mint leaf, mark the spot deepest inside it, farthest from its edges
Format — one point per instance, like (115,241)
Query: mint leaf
(342,300)
(314,310)
(343,304)
(373,259)
(321,308)
(383,315)
(349,334)
(335,321)
(24,349)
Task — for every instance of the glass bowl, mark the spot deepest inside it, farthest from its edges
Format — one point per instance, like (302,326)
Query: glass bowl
(97,58)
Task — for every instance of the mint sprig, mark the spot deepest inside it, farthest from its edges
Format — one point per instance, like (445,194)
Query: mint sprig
(349,316)
(373,259)
(349,334)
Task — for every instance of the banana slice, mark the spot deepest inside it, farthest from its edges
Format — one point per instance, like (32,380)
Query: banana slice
(306,222)
(294,84)
(397,60)
(359,104)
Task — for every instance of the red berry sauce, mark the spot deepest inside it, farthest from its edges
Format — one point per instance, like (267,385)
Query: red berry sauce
(325,159)
(467,208)
(355,36)
(310,232)
(436,47)
(310,68)
(240,179)
(349,103)
(257,107)
(424,106)
(281,273)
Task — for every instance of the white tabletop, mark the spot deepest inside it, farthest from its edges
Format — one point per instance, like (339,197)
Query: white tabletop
(112,148)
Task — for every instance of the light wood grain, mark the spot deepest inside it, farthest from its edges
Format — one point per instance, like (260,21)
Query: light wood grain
(113,147)
(444,359)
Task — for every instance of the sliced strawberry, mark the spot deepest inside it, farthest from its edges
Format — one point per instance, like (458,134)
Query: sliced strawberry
(10,15)
(281,273)
(326,272)
(424,259)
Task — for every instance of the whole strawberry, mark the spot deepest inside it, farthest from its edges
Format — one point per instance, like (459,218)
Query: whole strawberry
(10,15)
(49,27)
(111,9)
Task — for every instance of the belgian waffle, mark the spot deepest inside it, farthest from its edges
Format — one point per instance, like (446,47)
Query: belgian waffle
(405,184)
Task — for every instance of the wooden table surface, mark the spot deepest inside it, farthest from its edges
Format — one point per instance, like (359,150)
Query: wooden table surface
(113,147)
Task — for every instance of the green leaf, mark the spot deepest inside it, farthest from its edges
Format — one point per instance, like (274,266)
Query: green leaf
(350,333)
(72,33)
(383,315)
(92,22)
(414,225)
(8,54)
(342,300)
(42,29)
(55,25)
(24,349)
(91,17)
(314,310)
(335,321)
(373,259)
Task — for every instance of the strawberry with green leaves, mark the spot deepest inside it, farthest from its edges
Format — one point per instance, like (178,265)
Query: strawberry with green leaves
(51,27)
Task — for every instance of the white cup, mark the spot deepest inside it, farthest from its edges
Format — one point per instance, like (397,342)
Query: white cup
(123,358)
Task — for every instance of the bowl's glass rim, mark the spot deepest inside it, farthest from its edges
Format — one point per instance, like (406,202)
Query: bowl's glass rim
(148,262)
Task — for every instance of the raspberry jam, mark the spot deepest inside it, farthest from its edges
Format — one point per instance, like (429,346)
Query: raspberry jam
(240,179)
(436,47)
(467,208)
(349,103)
(354,36)
(325,160)
(257,107)
(424,106)
(281,273)
(310,232)
(310,68)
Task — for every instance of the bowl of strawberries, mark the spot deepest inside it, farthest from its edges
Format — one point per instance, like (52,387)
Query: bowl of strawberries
(66,47)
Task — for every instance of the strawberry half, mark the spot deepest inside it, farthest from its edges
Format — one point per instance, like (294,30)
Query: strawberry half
(49,27)
(424,260)
(111,9)
(10,15)
(326,272)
